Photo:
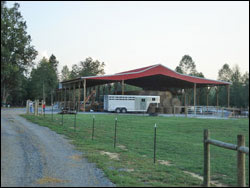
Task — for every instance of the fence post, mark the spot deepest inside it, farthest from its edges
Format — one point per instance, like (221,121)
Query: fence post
(186,110)
(115,132)
(206,177)
(52,111)
(75,122)
(27,107)
(37,106)
(62,118)
(241,162)
(154,143)
(93,126)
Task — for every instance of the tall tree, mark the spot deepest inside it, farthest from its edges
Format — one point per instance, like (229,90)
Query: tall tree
(239,90)
(186,65)
(43,81)
(225,73)
(89,67)
(65,73)
(17,53)
(74,73)
(53,61)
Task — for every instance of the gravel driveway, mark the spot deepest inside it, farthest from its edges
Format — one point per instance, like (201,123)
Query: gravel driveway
(35,156)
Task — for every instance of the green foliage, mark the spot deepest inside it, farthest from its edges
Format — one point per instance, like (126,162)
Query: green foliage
(53,61)
(17,53)
(65,73)
(239,90)
(225,73)
(187,66)
(43,77)
(89,67)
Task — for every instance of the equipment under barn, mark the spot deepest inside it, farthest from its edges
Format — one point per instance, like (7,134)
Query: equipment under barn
(155,80)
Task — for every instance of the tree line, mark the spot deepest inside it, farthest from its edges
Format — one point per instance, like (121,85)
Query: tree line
(239,88)
(22,80)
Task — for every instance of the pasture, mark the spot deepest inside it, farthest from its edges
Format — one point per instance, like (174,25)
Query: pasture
(179,147)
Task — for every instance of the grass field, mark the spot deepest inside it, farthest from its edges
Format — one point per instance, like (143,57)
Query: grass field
(179,145)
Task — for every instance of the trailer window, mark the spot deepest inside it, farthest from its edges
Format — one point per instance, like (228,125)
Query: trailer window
(142,100)
(153,99)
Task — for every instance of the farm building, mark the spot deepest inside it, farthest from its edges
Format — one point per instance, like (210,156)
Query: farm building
(151,79)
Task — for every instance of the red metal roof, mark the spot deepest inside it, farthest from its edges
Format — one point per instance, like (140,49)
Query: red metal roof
(154,70)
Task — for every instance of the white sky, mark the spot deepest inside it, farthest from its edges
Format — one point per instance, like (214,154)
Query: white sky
(129,35)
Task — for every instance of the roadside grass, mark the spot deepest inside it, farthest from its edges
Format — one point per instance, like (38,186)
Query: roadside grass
(179,142)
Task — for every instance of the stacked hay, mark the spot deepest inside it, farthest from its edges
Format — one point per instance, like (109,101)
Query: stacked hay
(176,102)
(167,102)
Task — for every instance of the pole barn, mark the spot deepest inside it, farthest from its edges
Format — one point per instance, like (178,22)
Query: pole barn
(155,77)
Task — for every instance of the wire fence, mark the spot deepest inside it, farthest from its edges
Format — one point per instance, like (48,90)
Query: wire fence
(132,135)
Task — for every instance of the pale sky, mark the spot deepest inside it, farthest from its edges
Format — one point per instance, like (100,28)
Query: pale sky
(130,35)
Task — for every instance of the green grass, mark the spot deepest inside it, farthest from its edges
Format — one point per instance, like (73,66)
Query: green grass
(179,141)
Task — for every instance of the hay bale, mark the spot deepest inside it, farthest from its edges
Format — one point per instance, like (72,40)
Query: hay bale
(176,102)
(159,110)
(168,110)
(166,102)
(167,94)
(151,109)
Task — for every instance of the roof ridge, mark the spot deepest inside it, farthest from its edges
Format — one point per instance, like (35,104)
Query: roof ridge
(138,69)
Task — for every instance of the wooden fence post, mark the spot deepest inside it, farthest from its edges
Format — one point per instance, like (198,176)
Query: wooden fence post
(241,162)
(206,177)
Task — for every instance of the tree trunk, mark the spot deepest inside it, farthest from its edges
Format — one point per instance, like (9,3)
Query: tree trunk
(5,94)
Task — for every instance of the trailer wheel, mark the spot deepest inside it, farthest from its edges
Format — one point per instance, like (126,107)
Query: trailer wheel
(117,110)
(124,110)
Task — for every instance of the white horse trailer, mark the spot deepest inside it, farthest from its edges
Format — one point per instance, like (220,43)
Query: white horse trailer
(129,103)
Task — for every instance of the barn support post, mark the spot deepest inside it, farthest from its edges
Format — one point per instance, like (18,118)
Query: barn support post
(195,98)
(74,96)
(217,95)
(61,98)
(84,94)
(189,96)
(122,87)
(185,102)
(115,88)
(207,93)
(103,89)
(109,88)
(185,97)
(79,95)
(64,105)
(98,95)
(228,96)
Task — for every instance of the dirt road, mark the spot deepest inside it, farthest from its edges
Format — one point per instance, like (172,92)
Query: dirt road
(32,155)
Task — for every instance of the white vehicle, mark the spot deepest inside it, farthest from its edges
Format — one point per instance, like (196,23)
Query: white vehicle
(128,103)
